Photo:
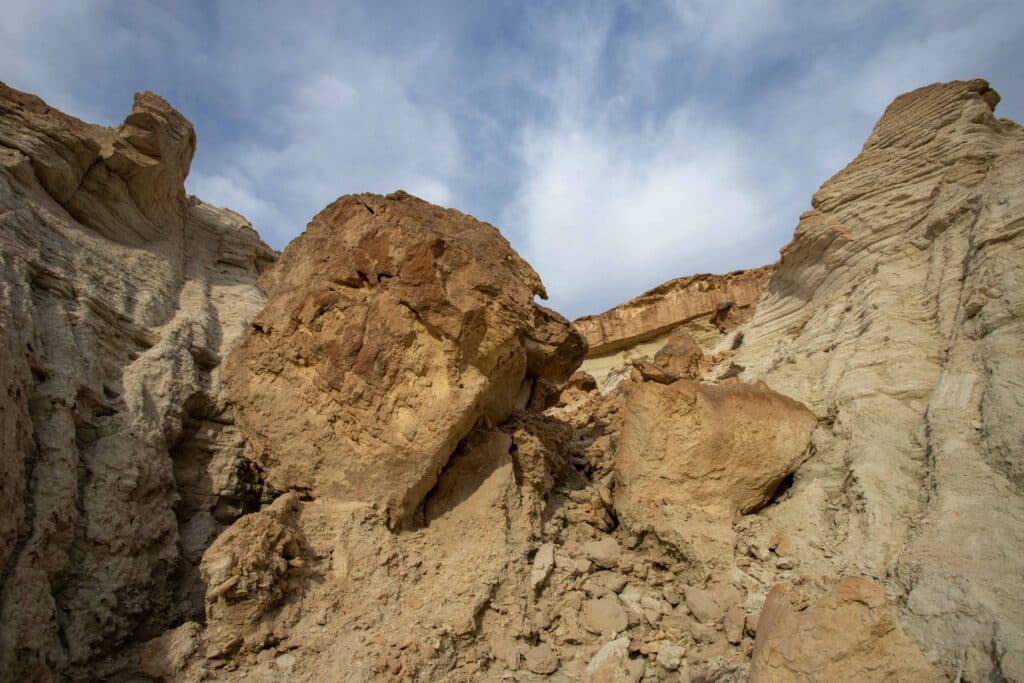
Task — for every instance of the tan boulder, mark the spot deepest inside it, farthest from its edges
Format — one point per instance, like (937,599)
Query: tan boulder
(849,634)
(246,571)
(680,356)
(392,327)
(722,448)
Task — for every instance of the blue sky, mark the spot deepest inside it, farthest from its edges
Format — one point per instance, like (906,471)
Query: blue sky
(616,145)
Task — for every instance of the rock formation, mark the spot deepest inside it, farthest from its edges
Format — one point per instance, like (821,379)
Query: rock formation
(119,461)
(706,307)
(894,315)
(809,471)
(850,634)
(392,328)
(721,448)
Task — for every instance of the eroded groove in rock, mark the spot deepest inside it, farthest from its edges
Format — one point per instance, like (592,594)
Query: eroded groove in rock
(116,301)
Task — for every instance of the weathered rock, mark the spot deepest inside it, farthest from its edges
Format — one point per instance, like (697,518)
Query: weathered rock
(894,316)
(604,552)
(541,659)
(703,606)
(724,449)
(849,634)
(246,571)
(118,295)
(604,615)
(392,327)
(543,562)
(669,305)
(611,664)
(680,356)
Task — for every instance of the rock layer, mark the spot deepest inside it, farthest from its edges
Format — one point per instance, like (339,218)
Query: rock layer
(896,315)
(119,461)
(392,327)
(671,304)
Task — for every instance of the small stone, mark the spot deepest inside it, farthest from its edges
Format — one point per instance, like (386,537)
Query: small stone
(604,552)
(543,562)
(613,581)
(609,662)
(542,659)
(604,615)
(670,656)
(734,620)
(759,552)
(785,563)
(672,596)
(702,606)
(582,566)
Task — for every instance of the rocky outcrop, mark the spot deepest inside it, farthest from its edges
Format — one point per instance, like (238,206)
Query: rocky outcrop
(669,305)
(721,448)
(895,315)
(702,313)
(435,493)
(849,634)
(119,460)
(392,327)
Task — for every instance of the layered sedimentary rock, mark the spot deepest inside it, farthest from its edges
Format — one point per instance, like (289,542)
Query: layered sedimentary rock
(706,308)
(119,461)
(671,304)
(896,315)
(392,327)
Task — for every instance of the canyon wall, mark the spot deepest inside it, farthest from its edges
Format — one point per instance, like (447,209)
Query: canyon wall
(119,460)
(896,315)
(373,458)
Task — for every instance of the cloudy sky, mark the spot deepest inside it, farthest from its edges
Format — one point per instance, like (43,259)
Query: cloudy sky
(616,145)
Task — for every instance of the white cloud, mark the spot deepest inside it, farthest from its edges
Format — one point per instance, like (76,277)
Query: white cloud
(616,145)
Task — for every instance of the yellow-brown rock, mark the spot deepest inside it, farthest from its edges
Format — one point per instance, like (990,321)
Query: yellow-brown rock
(392,327)
(669,305)
(722,448)
(849,634)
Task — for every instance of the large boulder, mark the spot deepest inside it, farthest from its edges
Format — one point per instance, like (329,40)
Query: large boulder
(849,634)
(392,327)
(721,448)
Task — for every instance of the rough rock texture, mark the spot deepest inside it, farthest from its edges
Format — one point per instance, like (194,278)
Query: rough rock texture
(721,448)
(896,315)
(671,304)
(457,503)
(392,327)
(701,312)
(849,634)
(119,461)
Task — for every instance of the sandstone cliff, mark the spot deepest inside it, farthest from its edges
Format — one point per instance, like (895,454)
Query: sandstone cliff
(809,471)
(119,461)
(895,314)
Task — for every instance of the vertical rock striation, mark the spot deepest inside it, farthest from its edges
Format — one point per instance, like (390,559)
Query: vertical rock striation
(119,461)
(896,315)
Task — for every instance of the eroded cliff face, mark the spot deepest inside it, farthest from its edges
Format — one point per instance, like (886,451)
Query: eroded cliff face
(896,315)
(119,461)
(806,471)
